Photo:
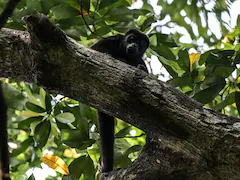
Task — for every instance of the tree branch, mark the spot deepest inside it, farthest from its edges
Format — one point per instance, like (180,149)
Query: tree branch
(185,140)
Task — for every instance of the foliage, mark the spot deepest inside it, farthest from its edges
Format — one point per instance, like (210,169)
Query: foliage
(39,121)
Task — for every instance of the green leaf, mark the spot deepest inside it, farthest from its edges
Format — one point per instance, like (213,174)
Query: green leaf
(85,5)
(230,99)
(48,104)
(25,124)
(105,3)
(82,165)
(65,117)
(47,5)
(211,88)
(22,147)
(164,51)
(223,71)
(42,94)
(31,177)
(204,56)
(166,39)
(41,133)
(123,132)
(121,160)
(34,5)
(147,23)
(121,14)
(133,149)
(64,11)
(35,108)
(89,173)
(76,139)
(181,81)
(13,97)
(183,60)
(237,100)
(68,177)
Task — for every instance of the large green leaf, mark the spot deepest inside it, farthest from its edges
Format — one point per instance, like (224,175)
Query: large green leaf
(209,89)
(76,139)
(65,117)
(183,60)
(123,132)
(166,39)
(34,107)
(82,165)
(122,13)
(229,99)
(84,5)
(64,11)
(25,124)
(164,51)
(13,97)
(34,5)
(105,3)
(41,133)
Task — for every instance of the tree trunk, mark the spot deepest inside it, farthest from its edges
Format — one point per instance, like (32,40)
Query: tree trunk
(185,140)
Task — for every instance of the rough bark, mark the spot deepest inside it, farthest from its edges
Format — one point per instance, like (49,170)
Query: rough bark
(185,140)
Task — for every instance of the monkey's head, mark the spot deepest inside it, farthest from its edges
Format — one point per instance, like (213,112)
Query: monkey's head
(135,43)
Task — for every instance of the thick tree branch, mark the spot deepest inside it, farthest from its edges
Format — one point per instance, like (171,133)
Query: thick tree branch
(185,140)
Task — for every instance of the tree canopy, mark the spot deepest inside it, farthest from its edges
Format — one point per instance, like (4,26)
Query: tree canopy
(41,122)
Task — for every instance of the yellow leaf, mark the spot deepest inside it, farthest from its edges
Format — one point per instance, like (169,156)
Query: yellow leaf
(238,79)
(55,163)
(193,57)
(71,153)
(29,114)
(226,39)
(84,12)
(234,105)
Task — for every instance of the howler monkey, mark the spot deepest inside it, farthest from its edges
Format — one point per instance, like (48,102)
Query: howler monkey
(128,48)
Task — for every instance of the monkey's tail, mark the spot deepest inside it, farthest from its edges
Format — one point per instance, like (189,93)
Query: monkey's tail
(106,128)
(4,159)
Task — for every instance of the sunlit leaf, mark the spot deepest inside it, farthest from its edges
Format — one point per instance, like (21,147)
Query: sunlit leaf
(34,108)
(230,99)
(29,114)
(65,117)
(193,57)
(55,163)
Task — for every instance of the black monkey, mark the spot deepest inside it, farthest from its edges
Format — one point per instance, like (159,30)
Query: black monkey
(128,48)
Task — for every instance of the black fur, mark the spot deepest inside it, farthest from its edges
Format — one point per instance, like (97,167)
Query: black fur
(129,49)
(4,161)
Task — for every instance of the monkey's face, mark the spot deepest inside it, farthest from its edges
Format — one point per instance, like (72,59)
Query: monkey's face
(135,43)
